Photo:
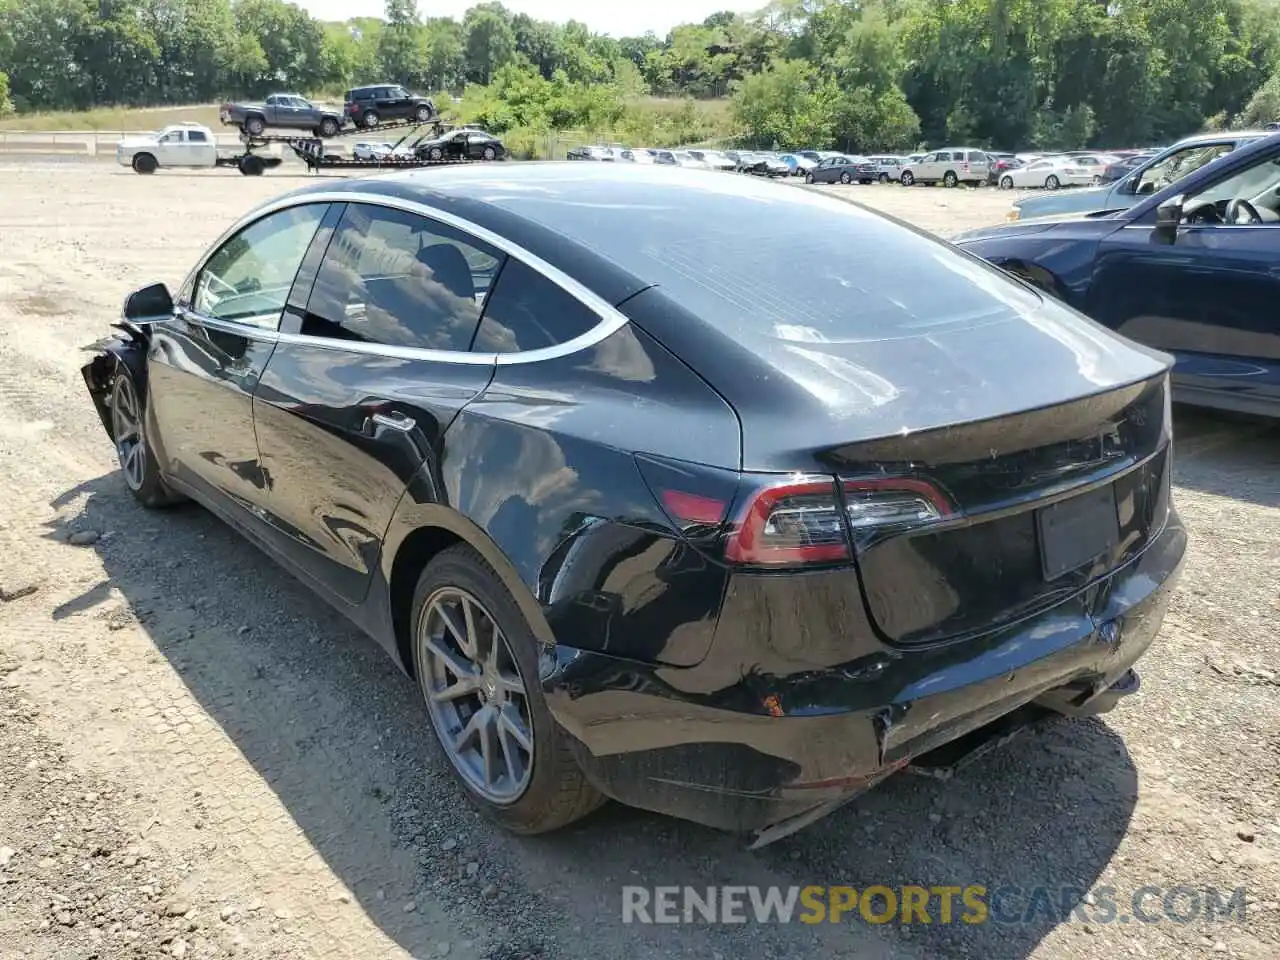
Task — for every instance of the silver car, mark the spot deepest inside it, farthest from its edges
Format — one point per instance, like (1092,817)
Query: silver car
(950,167)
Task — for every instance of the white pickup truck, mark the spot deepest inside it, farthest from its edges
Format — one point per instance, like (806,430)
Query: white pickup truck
(184,145)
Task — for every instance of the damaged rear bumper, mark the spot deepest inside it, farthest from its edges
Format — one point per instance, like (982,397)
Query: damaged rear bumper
(771,753)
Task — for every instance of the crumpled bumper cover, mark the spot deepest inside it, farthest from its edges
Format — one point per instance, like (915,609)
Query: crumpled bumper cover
(771,750)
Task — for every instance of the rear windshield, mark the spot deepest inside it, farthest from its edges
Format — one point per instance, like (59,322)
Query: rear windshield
(781,262)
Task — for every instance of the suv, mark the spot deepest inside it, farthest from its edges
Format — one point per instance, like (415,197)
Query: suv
(949,167)
(1153,174)
(369,106)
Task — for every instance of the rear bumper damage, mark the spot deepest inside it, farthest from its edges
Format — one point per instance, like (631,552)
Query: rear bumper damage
(771,751)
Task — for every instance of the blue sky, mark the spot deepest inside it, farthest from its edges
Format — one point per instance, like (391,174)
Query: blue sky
(619,18)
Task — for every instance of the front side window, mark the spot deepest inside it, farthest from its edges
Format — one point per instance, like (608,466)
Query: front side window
(1178,164)
(396,278)
(1255,186)
(527,311)
(248,279)
(174,137)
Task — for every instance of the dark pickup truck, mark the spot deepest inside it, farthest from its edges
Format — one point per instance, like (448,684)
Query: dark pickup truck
(284,110)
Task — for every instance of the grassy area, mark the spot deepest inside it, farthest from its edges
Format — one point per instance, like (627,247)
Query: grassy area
(113,118)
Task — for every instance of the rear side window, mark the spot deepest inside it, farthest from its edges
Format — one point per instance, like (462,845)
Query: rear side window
(527,312)
(197,136)
(398,279)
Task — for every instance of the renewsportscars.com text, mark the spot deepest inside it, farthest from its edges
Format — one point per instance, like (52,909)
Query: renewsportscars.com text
(910,904)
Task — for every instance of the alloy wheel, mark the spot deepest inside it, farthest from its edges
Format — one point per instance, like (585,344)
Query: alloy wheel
(126,425)
(475,695)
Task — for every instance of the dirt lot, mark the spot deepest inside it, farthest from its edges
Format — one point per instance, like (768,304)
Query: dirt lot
(197,760)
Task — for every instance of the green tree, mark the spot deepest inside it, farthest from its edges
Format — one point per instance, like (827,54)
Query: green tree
(490,41)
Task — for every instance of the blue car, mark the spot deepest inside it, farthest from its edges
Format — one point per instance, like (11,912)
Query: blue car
(1192,270)
(1155,173)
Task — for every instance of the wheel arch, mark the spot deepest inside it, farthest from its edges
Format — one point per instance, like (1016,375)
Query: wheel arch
(1040,277)
(420,530)
(114,355)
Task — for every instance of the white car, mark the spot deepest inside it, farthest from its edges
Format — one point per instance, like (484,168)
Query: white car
(686,159)
(636,155)
(178,145)
(380,151)
(712,158)
(1049,173)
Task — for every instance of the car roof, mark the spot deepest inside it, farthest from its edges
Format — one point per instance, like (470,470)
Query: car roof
(613,229)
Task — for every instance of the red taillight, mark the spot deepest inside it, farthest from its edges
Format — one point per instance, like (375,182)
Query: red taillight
(802,521)
(796,522)
(690,508)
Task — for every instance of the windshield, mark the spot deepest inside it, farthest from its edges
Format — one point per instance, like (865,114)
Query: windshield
(1179,164)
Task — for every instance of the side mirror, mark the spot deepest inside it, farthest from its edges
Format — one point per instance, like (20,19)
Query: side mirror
(150,304)
(1168,216)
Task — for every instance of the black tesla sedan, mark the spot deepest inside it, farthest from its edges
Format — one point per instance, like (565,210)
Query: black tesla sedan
(647,512)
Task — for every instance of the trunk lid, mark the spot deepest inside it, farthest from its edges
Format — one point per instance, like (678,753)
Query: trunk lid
(1043,503)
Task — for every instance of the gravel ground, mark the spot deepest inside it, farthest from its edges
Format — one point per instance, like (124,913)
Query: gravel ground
(198,760)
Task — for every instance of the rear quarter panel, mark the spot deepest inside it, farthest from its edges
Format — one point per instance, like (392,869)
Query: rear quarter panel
(542,465)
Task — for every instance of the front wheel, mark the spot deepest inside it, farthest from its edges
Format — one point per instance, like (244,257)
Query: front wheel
(808,178)
(1006,182)
(489,154)
(435,153)
(144,163)
(329,127)
(128,431)
(477,664)
(949,179)
(251,166)
(422,114)
(907,178)
(1052,182)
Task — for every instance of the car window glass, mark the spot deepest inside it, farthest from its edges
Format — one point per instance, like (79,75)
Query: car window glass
(1257,183)
(175,137)
(248,279)
(197,136)
(527,311)
(1179,164)
(396,278)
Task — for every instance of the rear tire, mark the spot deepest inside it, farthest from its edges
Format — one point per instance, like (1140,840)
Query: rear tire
(144,163)
(553,791)
(255,125)
(845,178)
(133,451)
(370,119)
(884,178)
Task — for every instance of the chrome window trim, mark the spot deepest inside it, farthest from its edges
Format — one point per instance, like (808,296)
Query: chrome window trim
(611,319)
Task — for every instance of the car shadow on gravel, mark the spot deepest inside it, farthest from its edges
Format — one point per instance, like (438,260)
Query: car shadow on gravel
(1227,455)
(339,736)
